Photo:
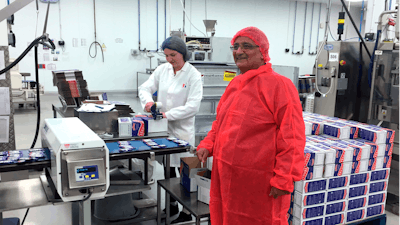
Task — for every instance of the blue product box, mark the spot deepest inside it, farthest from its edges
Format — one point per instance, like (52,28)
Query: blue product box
(146,124)
(336,207)
(356,203)
(387,161)
(376,134)
(339,169)
(378,186)
(329,137)
(138,128)
(375,148)
(308,212)
(313,221)
(313,172)
(336,195)
(337,129)
(334,219)
(375,210)
(310,186)
(389,149)
(309,199)
(355,215)
(313,156)
(379,198)
(338,182)
(344,153)
(361,150)
(318,139)
(359,166)
(358,191)
(359,178)
(316,126)
(380,175)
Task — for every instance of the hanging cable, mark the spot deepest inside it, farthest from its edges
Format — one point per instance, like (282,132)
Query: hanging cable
(319,22)
(294,26)
(312,20)
(37,17)
(61,42)
(304,29)
(328,14)
(188,18)
(95,43)
(287,32)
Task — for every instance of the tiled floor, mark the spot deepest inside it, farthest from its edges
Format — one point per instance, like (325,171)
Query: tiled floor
(25,125)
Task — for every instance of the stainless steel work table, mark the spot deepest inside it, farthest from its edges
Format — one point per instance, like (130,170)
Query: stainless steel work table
(188,200)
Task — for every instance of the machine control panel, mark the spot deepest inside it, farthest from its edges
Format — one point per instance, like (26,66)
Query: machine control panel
(86,173)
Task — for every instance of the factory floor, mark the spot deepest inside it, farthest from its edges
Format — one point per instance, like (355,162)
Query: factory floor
(25,125)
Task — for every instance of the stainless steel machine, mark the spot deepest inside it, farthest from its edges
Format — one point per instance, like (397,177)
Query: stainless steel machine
(341,79)
(79,159)
(354,86)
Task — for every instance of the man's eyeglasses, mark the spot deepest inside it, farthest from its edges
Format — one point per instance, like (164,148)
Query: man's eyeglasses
(244,46)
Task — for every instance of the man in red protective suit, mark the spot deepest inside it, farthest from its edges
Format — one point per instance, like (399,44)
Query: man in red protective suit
(257,140)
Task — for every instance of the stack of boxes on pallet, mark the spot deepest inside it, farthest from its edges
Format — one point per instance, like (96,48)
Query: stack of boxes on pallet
(345,174)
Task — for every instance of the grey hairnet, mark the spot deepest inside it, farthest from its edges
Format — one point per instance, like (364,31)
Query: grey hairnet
(176,44)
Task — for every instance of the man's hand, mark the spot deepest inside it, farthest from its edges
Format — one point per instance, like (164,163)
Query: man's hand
(275,192)
(163,115)
(202,154)
(148,106)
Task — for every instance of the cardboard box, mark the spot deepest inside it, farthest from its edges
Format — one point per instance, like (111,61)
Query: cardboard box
(361,150)
(360,166)
(308,199)
(377,198)
(138,127)
(379,186)
(154,126)
(378,175)
(376,149)
(389,149)
(362,178)
(375,210)
(125,127)
(344,153)
(358,190)
(355,215)
(308,212)
(339,169)
(314,221)
(310,186)
(190,166)
(317,125)
(376,134)
(336,207)
(203,179)
(338,182)
(357,203)
(333,219)
(337,195)
(313,156)
(308,126)
(313,172)
(338,130)
(330,153)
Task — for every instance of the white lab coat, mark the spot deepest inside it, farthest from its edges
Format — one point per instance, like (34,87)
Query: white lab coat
(180,96)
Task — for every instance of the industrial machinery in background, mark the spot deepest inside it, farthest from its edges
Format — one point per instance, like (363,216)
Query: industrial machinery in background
(360,81)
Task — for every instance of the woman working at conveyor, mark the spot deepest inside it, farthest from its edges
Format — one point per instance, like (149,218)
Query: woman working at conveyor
(180,90)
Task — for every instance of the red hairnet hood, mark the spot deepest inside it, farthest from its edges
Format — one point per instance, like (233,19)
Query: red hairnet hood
(258,37)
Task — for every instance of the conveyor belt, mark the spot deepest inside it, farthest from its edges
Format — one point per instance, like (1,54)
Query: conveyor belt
(141,151)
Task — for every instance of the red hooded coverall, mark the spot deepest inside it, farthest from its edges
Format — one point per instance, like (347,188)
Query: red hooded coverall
(257,141)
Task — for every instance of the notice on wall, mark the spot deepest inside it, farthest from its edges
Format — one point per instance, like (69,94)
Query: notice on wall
(4,128)
(4,101)
(2,65)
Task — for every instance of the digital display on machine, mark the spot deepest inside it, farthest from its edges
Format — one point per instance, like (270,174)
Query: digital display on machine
(86,173)
(86,170)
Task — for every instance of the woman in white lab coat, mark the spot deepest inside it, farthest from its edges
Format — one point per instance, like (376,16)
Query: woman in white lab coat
(180,90)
